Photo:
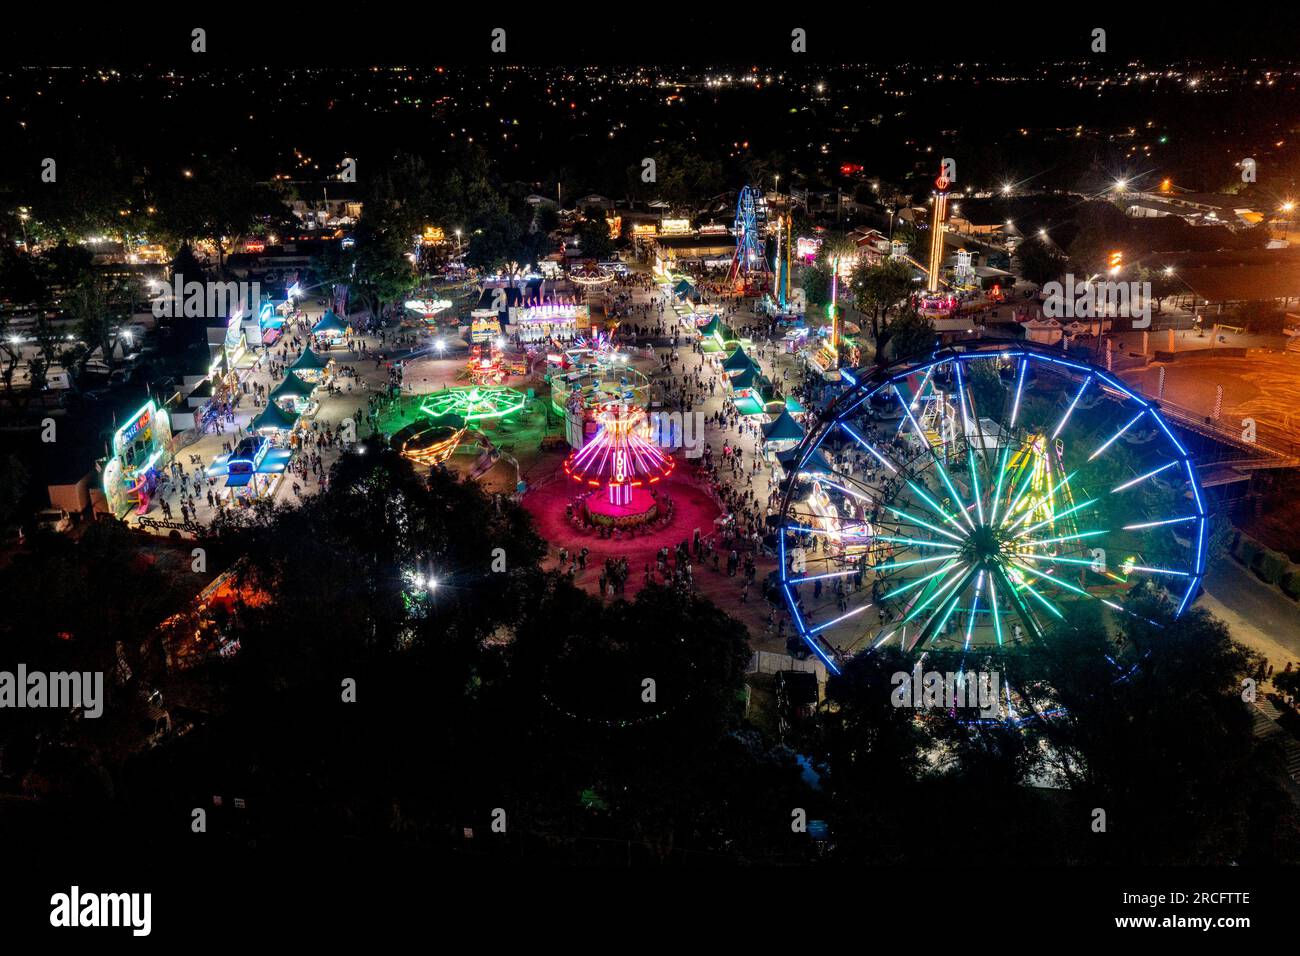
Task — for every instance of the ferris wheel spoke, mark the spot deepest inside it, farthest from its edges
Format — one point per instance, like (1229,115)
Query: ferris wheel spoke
(1040,542)
(894,565)
(974,610)
(944,611)
(1115,437)
(1025,569)
(1045,499)
(1070,411)
(924,524)
(975,483)
(1141,478)
(920,392)
(1023,611)
(1056,517)
(938,508)
(1020,387)
(868,446)
(895,592)
(918,543)
(997,491)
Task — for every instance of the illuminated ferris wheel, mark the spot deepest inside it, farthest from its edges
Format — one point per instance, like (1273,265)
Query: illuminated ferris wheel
(976,499)
(749,261)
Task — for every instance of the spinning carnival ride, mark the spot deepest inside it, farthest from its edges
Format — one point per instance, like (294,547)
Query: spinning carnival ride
(474,404)
(749,265)
(621,460)
(452,413)
(979,514)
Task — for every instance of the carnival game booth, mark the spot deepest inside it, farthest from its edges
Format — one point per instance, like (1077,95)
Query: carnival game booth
(253,470)
(718,338)
(141,448)
(313,368)
(294,395)
(484,326)
(271,318)
(747,391)
(275,423)
(738,361)
(697,317)
(781,434)
(550,322)
(619,470)
(330,331)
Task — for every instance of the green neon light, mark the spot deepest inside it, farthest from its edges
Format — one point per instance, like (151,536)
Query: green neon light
(936,506)
(923,524)
(934,594)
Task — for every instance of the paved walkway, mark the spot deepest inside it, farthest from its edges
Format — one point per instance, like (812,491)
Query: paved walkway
(1260,617)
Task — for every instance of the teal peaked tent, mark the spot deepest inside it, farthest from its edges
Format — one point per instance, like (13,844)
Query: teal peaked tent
(292,387)
(273,416)
(310,361)
(737,361)
(783,428)
(745,379)
(329,322)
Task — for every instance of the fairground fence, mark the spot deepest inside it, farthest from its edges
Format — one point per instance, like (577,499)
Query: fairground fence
(1270,439)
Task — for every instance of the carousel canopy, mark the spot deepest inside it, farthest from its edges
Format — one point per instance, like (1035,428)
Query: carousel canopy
(309,360)
(329,322)
(783,428)
(737,361)
(292,386)
(273,416)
